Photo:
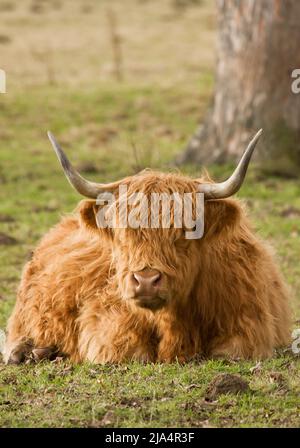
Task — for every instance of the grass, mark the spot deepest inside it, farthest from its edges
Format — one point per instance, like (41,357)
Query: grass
(149,396)
(111,129)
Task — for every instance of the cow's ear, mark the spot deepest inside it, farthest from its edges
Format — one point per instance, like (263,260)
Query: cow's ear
(88,210)
(222,217)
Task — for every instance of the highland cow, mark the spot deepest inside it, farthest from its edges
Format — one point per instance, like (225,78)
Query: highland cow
(105,294)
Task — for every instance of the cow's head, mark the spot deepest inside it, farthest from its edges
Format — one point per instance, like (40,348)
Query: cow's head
(156,265)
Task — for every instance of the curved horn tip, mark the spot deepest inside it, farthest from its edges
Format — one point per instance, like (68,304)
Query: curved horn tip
(253,142)
(233,184)
(59,152)
(258,134)
(54,142)
(50,135)
(52,139)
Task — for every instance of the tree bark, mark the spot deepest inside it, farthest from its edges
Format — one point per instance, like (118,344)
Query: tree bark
(258,49)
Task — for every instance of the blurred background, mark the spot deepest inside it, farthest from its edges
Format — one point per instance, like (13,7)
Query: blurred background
(85,42)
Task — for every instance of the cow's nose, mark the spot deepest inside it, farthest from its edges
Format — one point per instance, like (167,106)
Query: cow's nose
(146,282)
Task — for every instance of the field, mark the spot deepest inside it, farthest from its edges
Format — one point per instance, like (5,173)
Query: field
(118,105)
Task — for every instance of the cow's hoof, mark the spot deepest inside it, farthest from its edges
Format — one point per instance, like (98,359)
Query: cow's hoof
(20,353)
(25,352)
(41,353)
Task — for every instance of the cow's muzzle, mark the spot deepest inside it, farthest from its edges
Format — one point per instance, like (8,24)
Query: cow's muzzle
(146,285)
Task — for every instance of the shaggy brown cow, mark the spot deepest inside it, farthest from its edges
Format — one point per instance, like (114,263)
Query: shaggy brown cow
(109,295)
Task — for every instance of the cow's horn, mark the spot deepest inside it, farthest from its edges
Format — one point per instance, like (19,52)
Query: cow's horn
(235,181)
(83,186)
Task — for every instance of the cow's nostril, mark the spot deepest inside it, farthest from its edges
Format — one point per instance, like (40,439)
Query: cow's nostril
(156,279)
(146,282)
(135,279)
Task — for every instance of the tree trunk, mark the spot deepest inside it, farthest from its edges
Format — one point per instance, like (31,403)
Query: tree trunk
(258,50)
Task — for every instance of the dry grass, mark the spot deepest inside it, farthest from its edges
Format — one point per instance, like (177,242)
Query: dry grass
(65,41)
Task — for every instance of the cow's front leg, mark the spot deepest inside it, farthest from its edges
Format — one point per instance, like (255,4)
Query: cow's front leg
(250,344)
(29,338)
(108,347)
(114,336)
(17,351)
(177,343)
(24,350)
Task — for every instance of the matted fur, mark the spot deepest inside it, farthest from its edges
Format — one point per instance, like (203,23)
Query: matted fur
(224,294)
